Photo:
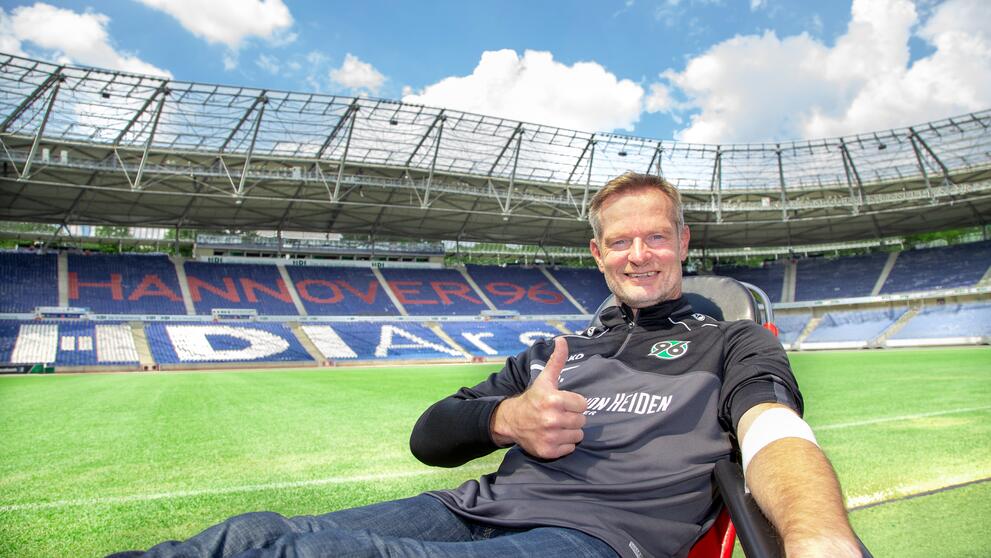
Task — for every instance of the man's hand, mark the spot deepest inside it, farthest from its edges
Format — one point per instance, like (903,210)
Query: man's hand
(544,420)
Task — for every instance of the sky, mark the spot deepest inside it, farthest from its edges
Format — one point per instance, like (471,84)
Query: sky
(708,71)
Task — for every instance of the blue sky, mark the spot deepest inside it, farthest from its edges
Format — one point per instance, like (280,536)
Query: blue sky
(713,71)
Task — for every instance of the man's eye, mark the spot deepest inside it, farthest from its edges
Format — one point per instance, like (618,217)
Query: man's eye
(655,240)
(621,244)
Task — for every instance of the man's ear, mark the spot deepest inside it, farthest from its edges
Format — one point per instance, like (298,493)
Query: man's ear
(686,236)
(593,247)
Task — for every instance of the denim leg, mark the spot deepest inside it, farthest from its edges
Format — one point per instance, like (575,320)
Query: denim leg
(544,542)
(419,527)
(421,516)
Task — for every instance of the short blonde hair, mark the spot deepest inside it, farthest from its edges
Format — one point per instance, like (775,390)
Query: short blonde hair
(628,182)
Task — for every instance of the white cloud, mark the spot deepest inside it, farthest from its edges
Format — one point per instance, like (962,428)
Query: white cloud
(757,4)
(268,63)
(536,88)
(230,22)
(357,75)
(752,88)
(69,37)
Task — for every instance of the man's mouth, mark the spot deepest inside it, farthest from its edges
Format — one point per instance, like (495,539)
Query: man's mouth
(642,275)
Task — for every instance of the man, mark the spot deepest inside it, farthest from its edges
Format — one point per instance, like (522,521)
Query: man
(613,433)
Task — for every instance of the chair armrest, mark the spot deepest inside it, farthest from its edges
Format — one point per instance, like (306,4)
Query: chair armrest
(756,534)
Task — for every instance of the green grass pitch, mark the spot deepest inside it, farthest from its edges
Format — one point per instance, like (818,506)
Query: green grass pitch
(102,462)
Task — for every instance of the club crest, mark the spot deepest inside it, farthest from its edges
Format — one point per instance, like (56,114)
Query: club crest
(669,350)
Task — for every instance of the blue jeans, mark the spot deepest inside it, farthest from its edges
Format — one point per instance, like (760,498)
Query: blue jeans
(419,527)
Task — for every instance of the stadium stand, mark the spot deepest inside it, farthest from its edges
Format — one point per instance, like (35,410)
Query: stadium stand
(28,280)
(960,265)
(498,338)
(433,292)
(852,328)
(66,343)
(260,287)
(390,341)
(951,322)
(124,284)
(790,326)
(196,343)
(770,277)
(341,291)
(586,285)
(851,276)
(524,290)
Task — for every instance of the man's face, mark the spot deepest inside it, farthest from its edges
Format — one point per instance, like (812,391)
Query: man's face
(641,248)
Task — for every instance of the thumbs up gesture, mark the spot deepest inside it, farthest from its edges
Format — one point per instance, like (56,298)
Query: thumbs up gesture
(544,420)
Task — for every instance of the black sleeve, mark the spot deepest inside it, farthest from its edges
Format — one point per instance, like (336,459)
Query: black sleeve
(756,370)
(455,430)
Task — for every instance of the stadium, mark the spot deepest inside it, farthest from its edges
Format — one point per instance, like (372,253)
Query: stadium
(250,182)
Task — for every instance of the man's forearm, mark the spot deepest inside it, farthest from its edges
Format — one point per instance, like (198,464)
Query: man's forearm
(796,487)
(454,431)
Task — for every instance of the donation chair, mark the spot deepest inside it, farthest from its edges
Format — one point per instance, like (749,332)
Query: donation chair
(727,299)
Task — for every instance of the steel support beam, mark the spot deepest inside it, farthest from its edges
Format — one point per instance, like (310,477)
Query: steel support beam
(151,138)
(425,201)
(162,90)
(658,153)
(349,114)
(439,118)
(716,182)
(939,162)
(336,196)
(518,130)
(574,169)
(512,178)
(781,185)
(852,177)
(52,80)
(263,100)
(583,210)
(921,163)
(41,129)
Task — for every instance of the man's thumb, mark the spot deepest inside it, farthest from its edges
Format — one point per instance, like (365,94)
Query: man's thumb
(551,374)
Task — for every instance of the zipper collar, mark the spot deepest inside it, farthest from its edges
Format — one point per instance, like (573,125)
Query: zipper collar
(624,315)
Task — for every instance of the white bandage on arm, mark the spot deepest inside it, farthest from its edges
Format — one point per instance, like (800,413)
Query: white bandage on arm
(771,426)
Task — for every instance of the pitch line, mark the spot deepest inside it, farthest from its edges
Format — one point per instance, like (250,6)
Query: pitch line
(868,422)
(392,475)
(863,503)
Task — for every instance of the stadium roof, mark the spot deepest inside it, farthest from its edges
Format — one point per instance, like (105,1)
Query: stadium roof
(90,146)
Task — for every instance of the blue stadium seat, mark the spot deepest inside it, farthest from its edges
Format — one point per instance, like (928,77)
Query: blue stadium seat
(790,326)
(67,343)
(223,342)
(525,290)
(124,284)
(950,320)
(387,341)
(433,292)
(341,291)
(29,280)
(961,265)
(851,276)
(586,285)
(255,286)
(853,325)
(498,338)
(769,278)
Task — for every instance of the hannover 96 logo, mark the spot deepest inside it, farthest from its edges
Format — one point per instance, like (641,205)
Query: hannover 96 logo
(669,350)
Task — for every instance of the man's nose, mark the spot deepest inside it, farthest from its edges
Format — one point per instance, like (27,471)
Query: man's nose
(638,252)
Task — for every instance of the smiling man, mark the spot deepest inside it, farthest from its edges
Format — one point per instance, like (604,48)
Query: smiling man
(612,434)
